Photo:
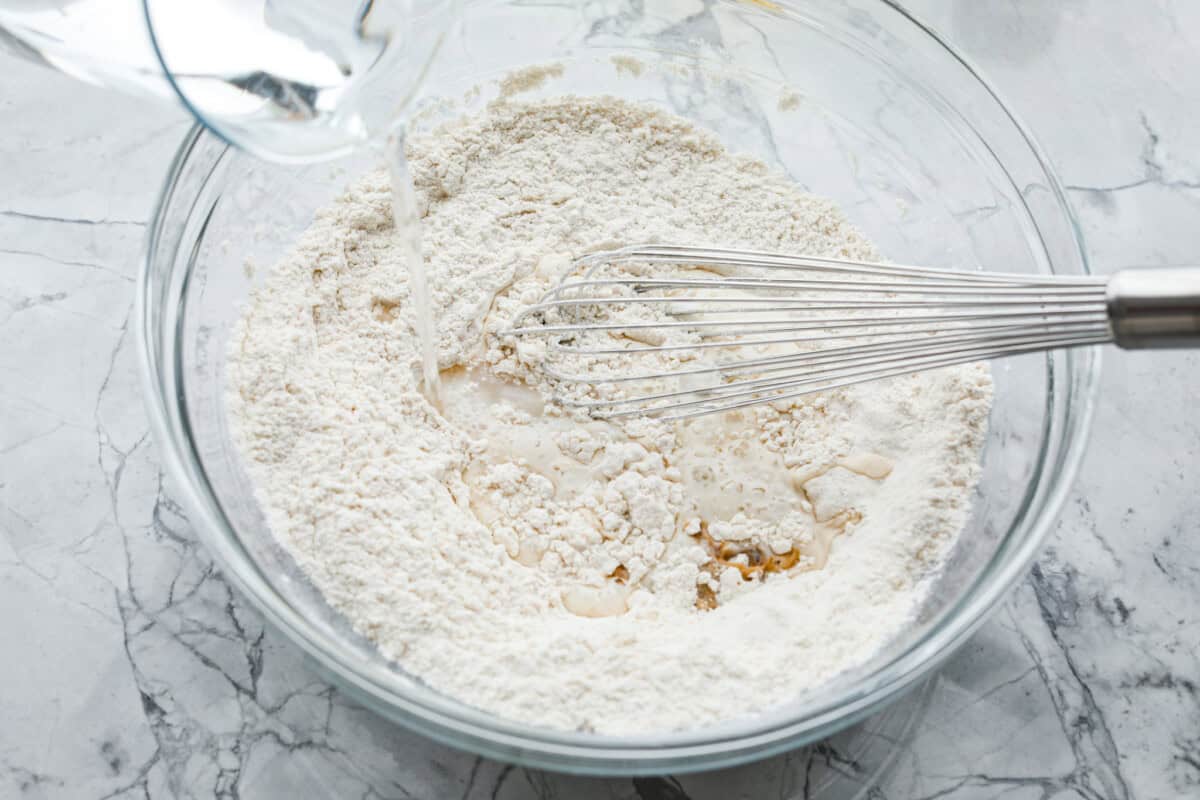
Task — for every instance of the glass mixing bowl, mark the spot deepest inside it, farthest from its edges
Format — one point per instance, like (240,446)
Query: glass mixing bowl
(858,102)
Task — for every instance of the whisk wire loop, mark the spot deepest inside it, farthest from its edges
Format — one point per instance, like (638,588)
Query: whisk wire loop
(717,329)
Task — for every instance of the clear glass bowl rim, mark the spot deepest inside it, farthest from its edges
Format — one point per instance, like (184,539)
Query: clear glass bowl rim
(487,735)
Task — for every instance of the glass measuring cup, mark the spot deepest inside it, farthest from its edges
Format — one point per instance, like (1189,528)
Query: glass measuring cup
(287,80)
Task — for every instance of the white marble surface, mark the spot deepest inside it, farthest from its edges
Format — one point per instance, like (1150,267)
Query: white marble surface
(130,668)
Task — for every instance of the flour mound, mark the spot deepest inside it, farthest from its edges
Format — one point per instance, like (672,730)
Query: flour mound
(580,574)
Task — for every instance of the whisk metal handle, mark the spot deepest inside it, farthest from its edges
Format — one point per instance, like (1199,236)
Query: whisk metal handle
(1155,308)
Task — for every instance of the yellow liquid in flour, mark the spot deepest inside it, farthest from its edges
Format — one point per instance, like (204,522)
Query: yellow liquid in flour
(723,466)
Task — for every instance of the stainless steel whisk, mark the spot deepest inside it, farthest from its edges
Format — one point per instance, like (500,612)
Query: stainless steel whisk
(725,329)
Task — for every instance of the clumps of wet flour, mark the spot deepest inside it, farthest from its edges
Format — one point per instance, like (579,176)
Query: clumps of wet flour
(575,573)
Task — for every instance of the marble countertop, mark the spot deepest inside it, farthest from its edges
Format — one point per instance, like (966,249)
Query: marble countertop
(132,669)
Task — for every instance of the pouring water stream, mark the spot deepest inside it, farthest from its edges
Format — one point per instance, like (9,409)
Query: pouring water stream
(407,222)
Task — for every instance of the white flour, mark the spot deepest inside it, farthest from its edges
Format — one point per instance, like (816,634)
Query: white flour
(571,573)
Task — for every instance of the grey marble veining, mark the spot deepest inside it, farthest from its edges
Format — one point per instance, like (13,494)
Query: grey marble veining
(131,669)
